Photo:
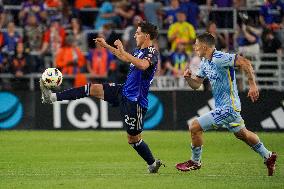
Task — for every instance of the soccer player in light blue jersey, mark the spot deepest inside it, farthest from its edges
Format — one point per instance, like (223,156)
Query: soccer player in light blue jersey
(219,68)
(130,97)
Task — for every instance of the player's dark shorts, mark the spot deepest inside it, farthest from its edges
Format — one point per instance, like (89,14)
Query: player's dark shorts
(132,113)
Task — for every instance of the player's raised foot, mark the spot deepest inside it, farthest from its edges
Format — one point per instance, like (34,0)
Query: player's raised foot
(155,168)
(270,163)
(188,166)
(45,93)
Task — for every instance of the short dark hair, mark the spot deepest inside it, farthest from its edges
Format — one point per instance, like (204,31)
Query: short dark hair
(149,28)
(206,38)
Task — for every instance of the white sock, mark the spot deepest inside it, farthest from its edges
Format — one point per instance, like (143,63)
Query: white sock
(261,150)
(268,155)
(153,165)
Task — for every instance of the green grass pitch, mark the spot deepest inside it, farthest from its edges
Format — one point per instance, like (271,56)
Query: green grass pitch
(103,159)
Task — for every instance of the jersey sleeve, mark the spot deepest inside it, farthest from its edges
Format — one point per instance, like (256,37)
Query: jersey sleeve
(224,59)
(134,51)
(152,56)
(172,29)
(201,72)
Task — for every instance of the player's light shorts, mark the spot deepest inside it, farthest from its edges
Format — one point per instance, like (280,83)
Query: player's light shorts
(132,113)
(222,117)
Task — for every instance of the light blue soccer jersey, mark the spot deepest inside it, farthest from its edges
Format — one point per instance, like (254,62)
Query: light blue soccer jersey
(221,74)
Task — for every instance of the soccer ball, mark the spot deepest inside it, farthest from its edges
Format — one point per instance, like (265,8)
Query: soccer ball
(52,78)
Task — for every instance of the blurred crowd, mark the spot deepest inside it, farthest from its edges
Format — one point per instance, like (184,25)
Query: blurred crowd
(60,33)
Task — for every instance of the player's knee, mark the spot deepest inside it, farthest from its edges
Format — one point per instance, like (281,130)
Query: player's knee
(133,138)
(241,134)
(195,127)
(96,90)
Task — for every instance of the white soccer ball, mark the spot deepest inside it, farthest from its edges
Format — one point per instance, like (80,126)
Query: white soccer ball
(52,78)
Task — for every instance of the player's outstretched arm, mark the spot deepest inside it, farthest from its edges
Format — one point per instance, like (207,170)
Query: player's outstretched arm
(245,65)
(141,64)
(116,52)
(193,82)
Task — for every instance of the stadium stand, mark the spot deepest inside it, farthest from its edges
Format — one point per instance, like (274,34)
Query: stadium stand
(41,27)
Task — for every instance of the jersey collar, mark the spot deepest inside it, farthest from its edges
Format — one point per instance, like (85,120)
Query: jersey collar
(212,54)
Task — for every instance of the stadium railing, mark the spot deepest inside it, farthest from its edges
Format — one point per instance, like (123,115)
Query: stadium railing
(269,74)
(204,12)
(269,71)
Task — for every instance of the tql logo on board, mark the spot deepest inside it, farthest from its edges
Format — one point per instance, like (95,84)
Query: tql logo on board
(98,115)
(11,110)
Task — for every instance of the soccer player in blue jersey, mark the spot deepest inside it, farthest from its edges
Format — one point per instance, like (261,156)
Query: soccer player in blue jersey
(219,68)
(131,97)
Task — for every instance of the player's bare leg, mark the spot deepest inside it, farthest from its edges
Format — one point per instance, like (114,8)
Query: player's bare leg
(196,134)
(253,141)
(96,90)
(247,136)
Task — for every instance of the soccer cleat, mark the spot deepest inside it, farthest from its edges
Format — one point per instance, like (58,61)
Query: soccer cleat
(155,169)
(188,166)
(45,93)
(270,163)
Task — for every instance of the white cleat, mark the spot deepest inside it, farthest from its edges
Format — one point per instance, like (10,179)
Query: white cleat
(155,168)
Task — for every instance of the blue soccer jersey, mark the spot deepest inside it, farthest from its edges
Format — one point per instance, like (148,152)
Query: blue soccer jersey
(221,74)
(138,81)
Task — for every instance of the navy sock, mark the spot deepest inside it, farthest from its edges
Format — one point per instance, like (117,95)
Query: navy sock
(144,151)
(74,93)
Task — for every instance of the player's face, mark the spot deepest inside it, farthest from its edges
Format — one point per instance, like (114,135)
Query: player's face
(140,37)
(200,48)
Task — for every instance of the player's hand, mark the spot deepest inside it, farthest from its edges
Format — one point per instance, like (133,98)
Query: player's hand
(101,41)
(119,45)
(253,93)
(187,73)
